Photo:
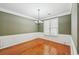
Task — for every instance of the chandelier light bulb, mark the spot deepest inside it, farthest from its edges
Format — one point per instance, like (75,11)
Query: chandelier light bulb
(38,9)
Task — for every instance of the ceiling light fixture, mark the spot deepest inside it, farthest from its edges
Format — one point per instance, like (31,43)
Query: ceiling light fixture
(39,20)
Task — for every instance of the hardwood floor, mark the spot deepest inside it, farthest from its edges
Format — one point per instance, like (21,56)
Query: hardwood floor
(37,46)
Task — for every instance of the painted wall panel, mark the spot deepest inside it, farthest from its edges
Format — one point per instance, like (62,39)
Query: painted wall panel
(11,24)
(74,23)
(64,24)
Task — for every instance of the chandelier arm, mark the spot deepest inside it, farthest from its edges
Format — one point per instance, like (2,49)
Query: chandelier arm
(38,15)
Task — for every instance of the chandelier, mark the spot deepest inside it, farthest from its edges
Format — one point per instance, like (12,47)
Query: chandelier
(38,19)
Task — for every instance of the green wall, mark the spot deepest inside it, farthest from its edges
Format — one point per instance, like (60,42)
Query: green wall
(78,28)
(40,27)
(11,24)
(64,24)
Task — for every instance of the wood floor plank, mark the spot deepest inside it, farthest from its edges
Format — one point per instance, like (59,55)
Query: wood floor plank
(37,46)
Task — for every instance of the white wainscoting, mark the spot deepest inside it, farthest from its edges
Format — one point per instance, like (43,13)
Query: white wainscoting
(10,40)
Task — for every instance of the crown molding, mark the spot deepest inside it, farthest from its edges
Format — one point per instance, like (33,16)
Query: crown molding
(66,12)
(15,13)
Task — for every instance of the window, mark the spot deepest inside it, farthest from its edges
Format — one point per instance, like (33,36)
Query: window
(51,26)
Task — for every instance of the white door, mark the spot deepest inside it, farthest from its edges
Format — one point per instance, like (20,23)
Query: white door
(51,26)
(54,26)
(46,27)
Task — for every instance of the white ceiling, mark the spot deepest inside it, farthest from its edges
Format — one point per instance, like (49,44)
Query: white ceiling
(30,9)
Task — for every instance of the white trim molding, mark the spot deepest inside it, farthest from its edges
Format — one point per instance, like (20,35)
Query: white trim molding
(66,12)
(15,13)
